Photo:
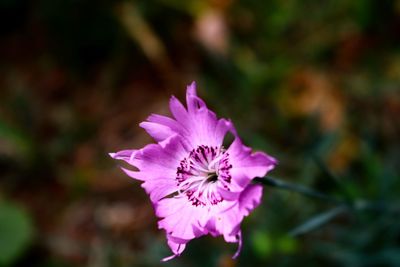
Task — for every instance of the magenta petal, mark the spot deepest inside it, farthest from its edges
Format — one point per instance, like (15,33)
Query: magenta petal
(178,110)
(157,131)
(247,165)
(173,256)
(166,121)
(197,125)
(222,128)
(168,206)
(227,222)
(179,218)
(194,102)
(239,241)
(203,129)
(177,249)
(134,174)
(229,195)
(156,159)
(125,155)
(191,89)
(156,164)
(250,198)
(159,188)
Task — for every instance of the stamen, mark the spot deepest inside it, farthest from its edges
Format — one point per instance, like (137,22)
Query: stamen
(201,173)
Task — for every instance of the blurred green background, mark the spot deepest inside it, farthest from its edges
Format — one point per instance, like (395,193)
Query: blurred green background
(314,83)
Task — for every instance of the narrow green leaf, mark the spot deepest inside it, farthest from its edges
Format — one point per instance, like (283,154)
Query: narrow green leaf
(317,221)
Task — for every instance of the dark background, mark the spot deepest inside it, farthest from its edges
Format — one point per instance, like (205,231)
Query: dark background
(313,83)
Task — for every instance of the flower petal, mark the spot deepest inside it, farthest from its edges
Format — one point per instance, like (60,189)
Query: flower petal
(159,188)
(247,165)
(156,164)
(158,131)
(194,103)
(177,248)
(239,241)
(178,111)
(125,155)
(179,218)
(227,220)
(197,124)
(165,121)
(250,198)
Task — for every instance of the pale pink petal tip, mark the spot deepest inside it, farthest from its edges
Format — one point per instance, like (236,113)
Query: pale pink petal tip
(191,88)
(239,249)
(169,258)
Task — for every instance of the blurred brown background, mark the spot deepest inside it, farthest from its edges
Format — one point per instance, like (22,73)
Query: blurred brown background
(314,83)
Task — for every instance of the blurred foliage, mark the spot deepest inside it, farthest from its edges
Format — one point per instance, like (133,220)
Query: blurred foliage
(16,232)
(314,83)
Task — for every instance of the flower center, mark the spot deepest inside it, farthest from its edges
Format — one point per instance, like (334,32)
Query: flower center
(212,177)
(201,174)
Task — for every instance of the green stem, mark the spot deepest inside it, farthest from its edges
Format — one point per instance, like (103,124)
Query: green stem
(273,182)
(327,172)
(358,204)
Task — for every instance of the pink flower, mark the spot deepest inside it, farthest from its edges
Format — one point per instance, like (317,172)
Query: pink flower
(196,185)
